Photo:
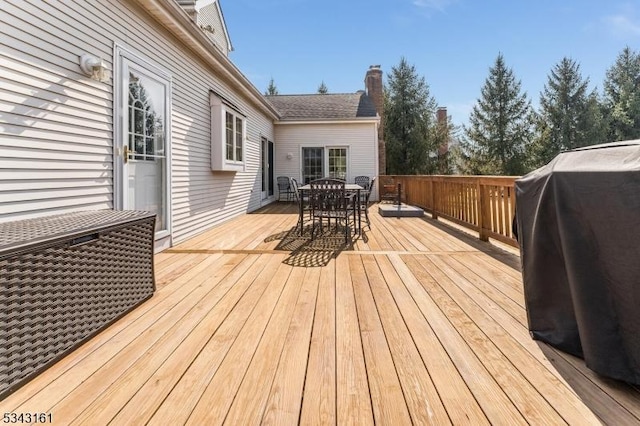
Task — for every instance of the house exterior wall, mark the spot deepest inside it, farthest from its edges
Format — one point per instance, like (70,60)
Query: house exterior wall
(360,138)
(57,125)
(210,15)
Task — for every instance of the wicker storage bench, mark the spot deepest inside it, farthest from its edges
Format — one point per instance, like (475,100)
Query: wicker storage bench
(63,278)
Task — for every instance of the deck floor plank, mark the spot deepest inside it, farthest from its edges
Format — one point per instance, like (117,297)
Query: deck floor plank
(285,397)
(387,398)
(151,394)
(458,400)
(353,401)
(215,401)
(249,402)
(183,397)
(415,322)
(319,399)
(491,397)
(524,395)
(421,395)
(99,397)
(496,277)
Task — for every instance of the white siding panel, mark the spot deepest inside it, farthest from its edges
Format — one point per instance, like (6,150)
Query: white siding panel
(209,15)
(56,125)
(360,138)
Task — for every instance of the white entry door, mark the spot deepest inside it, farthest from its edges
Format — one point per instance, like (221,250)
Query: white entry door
(145,136)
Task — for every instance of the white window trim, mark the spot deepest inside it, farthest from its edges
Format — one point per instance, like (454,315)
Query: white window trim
(219,111)
(121,52)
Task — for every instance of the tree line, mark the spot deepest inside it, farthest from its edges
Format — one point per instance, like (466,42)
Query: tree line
(505,135)
(272,89)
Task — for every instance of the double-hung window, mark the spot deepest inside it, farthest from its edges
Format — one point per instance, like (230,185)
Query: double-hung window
(228,135)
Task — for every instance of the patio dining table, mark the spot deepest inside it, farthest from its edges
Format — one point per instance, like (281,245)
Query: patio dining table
(349,188)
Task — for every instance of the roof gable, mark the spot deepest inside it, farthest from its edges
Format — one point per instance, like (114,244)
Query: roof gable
(211,20)
(334,106)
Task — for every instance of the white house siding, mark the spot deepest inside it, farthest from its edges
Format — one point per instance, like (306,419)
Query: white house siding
(360,138)
(56,125)
(210,15)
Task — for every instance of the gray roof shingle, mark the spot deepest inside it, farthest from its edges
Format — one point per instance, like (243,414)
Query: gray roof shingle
(330,106)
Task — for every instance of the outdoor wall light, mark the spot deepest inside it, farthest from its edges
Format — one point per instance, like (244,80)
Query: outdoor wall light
(289,155)
(94,67)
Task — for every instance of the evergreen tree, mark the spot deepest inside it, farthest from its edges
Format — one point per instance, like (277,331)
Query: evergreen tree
(596,129)
(322,89)
(444,136)
(569,117)
(410,130)
(499,129)
(271,89)
(622,96)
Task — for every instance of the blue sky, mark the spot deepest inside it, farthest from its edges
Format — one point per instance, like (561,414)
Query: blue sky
(452,43)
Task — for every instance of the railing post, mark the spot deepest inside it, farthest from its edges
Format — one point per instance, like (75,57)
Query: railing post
(483,212)
(434,198)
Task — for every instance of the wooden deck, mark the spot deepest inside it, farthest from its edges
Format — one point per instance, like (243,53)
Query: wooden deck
(416,323)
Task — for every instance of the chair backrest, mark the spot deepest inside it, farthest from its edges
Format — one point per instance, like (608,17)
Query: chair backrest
(283,183)
(293,184)
(373,182)
(363,181)
(328,195)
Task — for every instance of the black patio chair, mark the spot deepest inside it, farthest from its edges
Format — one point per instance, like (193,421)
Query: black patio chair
(363,181)
(284,187)
(364,201)
(293,184)
(329,200)
(302,199)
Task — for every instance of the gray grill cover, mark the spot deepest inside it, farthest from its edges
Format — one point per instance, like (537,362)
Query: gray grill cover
(579,226)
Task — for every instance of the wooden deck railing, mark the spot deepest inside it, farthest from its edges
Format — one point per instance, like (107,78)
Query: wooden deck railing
(485,204)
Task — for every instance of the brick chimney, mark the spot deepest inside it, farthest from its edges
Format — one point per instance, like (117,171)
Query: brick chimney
(441,116)
(373,84)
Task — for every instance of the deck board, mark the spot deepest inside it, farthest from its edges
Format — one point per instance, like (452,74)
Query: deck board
(416,322)
(420,393)
(319,399)
(387,398)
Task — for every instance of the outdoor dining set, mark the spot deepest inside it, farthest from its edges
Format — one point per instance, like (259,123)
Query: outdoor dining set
(326,199)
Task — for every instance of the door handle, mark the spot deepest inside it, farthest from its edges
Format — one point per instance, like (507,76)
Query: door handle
(125,153)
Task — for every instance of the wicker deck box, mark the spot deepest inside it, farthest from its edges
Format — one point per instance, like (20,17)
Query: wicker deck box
(64,278)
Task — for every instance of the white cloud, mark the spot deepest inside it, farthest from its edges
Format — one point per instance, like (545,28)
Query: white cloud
(439,5)
(625,22)
(623,25)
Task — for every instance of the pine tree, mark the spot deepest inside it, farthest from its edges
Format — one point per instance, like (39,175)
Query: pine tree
(596,130)
(322,89)
(622,96)
(444,136)
(409,122)
(499,129)
(271,89)
(569,117)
